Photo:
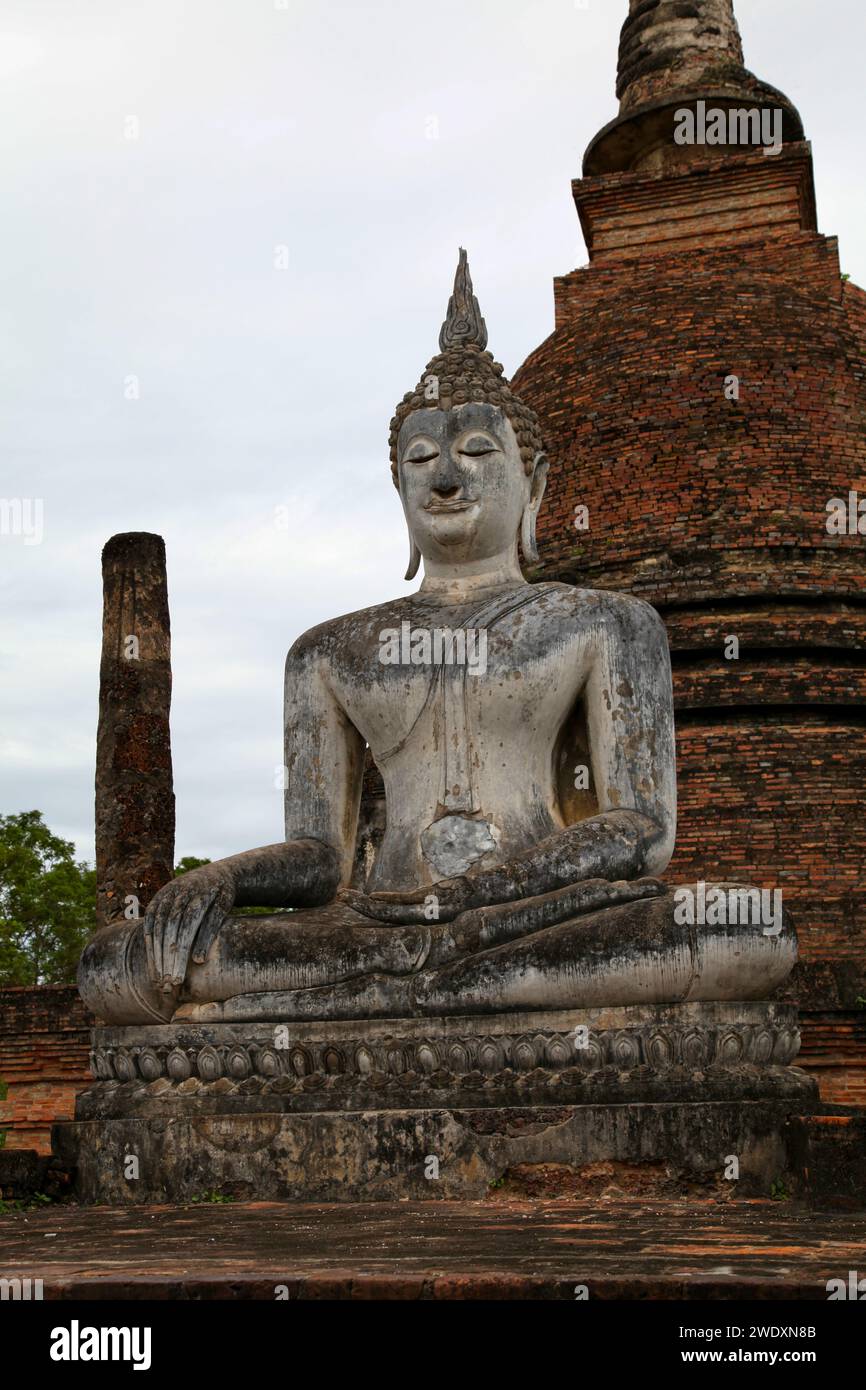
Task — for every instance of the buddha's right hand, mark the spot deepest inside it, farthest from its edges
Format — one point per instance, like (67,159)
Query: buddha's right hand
(182,921)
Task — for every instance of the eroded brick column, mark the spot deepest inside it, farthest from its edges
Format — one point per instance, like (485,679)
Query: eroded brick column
(134,792)
(670,45)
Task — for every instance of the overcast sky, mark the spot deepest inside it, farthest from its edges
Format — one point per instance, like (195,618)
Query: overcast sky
(370,140)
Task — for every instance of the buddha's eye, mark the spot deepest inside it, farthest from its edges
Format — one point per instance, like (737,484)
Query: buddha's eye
(478,446)
(420,453)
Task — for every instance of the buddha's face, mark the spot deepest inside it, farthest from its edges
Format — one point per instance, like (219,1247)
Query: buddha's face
(462,482)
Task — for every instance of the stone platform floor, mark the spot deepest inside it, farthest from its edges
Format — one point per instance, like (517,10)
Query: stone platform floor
(502,1247)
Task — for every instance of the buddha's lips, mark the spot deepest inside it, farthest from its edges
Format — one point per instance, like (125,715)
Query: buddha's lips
(463,505)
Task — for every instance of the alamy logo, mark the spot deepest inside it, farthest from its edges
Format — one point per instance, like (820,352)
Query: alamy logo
(21,1290)
(421,646)
(22,516)
(720,907)
(846,515)
(738,126)
(77,1343)
(855,1289)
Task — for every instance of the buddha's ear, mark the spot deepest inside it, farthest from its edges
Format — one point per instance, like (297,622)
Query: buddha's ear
(530,511)
(414,559)
(414,552)
(539,479)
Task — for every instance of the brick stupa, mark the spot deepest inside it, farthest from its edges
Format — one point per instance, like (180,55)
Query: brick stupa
(709,498)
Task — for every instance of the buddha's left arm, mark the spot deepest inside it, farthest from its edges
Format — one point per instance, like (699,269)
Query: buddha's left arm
(628,703)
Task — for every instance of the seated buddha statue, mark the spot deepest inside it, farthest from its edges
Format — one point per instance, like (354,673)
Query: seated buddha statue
(525,738)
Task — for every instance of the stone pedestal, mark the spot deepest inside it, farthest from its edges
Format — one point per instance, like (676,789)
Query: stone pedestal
(431,1108)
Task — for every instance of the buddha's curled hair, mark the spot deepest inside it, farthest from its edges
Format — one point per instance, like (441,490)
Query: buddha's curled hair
(464,371)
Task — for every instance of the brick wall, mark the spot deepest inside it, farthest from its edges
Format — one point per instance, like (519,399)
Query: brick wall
(714,510)
(832,1049)
(44,1047)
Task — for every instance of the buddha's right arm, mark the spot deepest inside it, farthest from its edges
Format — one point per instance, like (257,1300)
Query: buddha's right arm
(324,758)
(293,873)
(185,916)
(324,761)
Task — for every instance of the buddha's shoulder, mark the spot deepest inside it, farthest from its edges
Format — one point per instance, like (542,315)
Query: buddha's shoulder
(569,605)
(349,630)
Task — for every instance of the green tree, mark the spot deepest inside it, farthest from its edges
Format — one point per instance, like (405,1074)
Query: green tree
(47,903)
(188,862)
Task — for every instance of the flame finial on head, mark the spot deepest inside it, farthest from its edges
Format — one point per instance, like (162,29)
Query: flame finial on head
(463,322)
(464,371)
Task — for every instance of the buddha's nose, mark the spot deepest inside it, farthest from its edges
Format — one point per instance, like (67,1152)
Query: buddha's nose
(447,481)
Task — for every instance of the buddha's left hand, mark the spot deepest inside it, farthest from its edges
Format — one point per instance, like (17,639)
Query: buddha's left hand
(438,902)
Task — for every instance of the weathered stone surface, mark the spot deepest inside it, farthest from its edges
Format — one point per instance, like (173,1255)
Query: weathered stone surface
(645,1249)
(351,1111)
(134,795)
(671,54)
(827,1156)
(24,1174)
(20,1171)
(656,1038)
(377,1155)
(543,952)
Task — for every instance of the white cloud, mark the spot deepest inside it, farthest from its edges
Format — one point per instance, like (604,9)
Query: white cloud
(256,127)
